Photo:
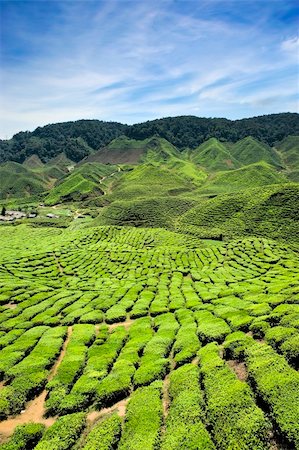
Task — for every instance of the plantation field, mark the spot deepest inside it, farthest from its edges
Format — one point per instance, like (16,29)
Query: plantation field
(143,338)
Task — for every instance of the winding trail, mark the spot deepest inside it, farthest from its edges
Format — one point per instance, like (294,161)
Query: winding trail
(119,407)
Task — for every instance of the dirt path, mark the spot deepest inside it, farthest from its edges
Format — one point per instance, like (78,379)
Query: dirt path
(119,407)
(125,324)
(58,264)
(35,409)
(10,305)
(165,396)
(239,368)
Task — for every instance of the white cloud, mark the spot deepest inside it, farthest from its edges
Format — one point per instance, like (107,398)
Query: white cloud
(130,58)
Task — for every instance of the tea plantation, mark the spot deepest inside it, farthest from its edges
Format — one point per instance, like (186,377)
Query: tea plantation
(115,337)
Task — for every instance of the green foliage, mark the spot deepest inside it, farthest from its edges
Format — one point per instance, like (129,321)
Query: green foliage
(277,384)
(63,434)
(143,419)
(83,181)
(25,437)
(235,420)
(105,434)
(184,423)
(249,151)
(214,156)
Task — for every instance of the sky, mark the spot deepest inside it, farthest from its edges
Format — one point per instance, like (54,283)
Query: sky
(137,60)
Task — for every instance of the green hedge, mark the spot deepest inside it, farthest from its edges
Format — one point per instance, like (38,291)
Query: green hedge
(64,433)
(143,419)
(105,434)
(25,437)
(234,418)
(184,427)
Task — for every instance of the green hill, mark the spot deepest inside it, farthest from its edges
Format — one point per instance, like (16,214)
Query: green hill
(149,180)
(33,162)
(84,181)
(214,155)
(123,150)
(249,151)
(18,181)
(264,211)
(62,162)
(150,212)
(253,175)
(289,151)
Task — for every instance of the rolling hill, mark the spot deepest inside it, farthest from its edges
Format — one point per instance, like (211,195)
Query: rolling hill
(214,155)
(249,151)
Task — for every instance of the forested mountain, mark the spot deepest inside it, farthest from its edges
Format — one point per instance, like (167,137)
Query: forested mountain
(80,138)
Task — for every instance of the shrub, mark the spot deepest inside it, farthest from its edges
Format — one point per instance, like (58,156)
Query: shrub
(143,419)
(184,427)
(105,434)
(211,328)
(235,420)
(277,384)
(64,433)
(25,437)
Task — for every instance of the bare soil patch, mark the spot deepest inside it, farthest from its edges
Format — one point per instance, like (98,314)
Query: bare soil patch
(125,324)
(10,306)
(239,368)
(119,407)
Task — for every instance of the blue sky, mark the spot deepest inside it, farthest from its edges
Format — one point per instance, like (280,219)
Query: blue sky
(132,61)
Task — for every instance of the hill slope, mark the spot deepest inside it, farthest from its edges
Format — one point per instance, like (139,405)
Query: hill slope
(85,181)
(214,155)
(253,175)
(249,151)
(18,181)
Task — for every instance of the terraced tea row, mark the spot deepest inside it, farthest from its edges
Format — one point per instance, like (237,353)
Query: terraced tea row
(148,319)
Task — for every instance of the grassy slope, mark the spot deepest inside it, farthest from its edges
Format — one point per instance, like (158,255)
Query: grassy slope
(253,175)
(288,149)
(267,211)
(123,150)
(249,150)
(19,181)
(33,162)
(82,182)
(214,155)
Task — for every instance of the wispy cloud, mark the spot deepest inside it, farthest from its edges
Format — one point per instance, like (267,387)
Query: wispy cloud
(137,60)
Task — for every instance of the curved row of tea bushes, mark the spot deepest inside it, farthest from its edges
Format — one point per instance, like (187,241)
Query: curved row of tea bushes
(30,375)
(25,437)
(143,419)
(71,366)
(154,363)
(100,358)
(64,433)
(184,428)
(211,328)
(60,301)
(275,382)
(186,343)
(142,304)
(105,434)
(118,383)
(234,418)
(12,354)
(10,337)
(118,312)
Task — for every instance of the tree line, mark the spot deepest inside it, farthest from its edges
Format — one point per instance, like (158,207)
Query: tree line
(80,138)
